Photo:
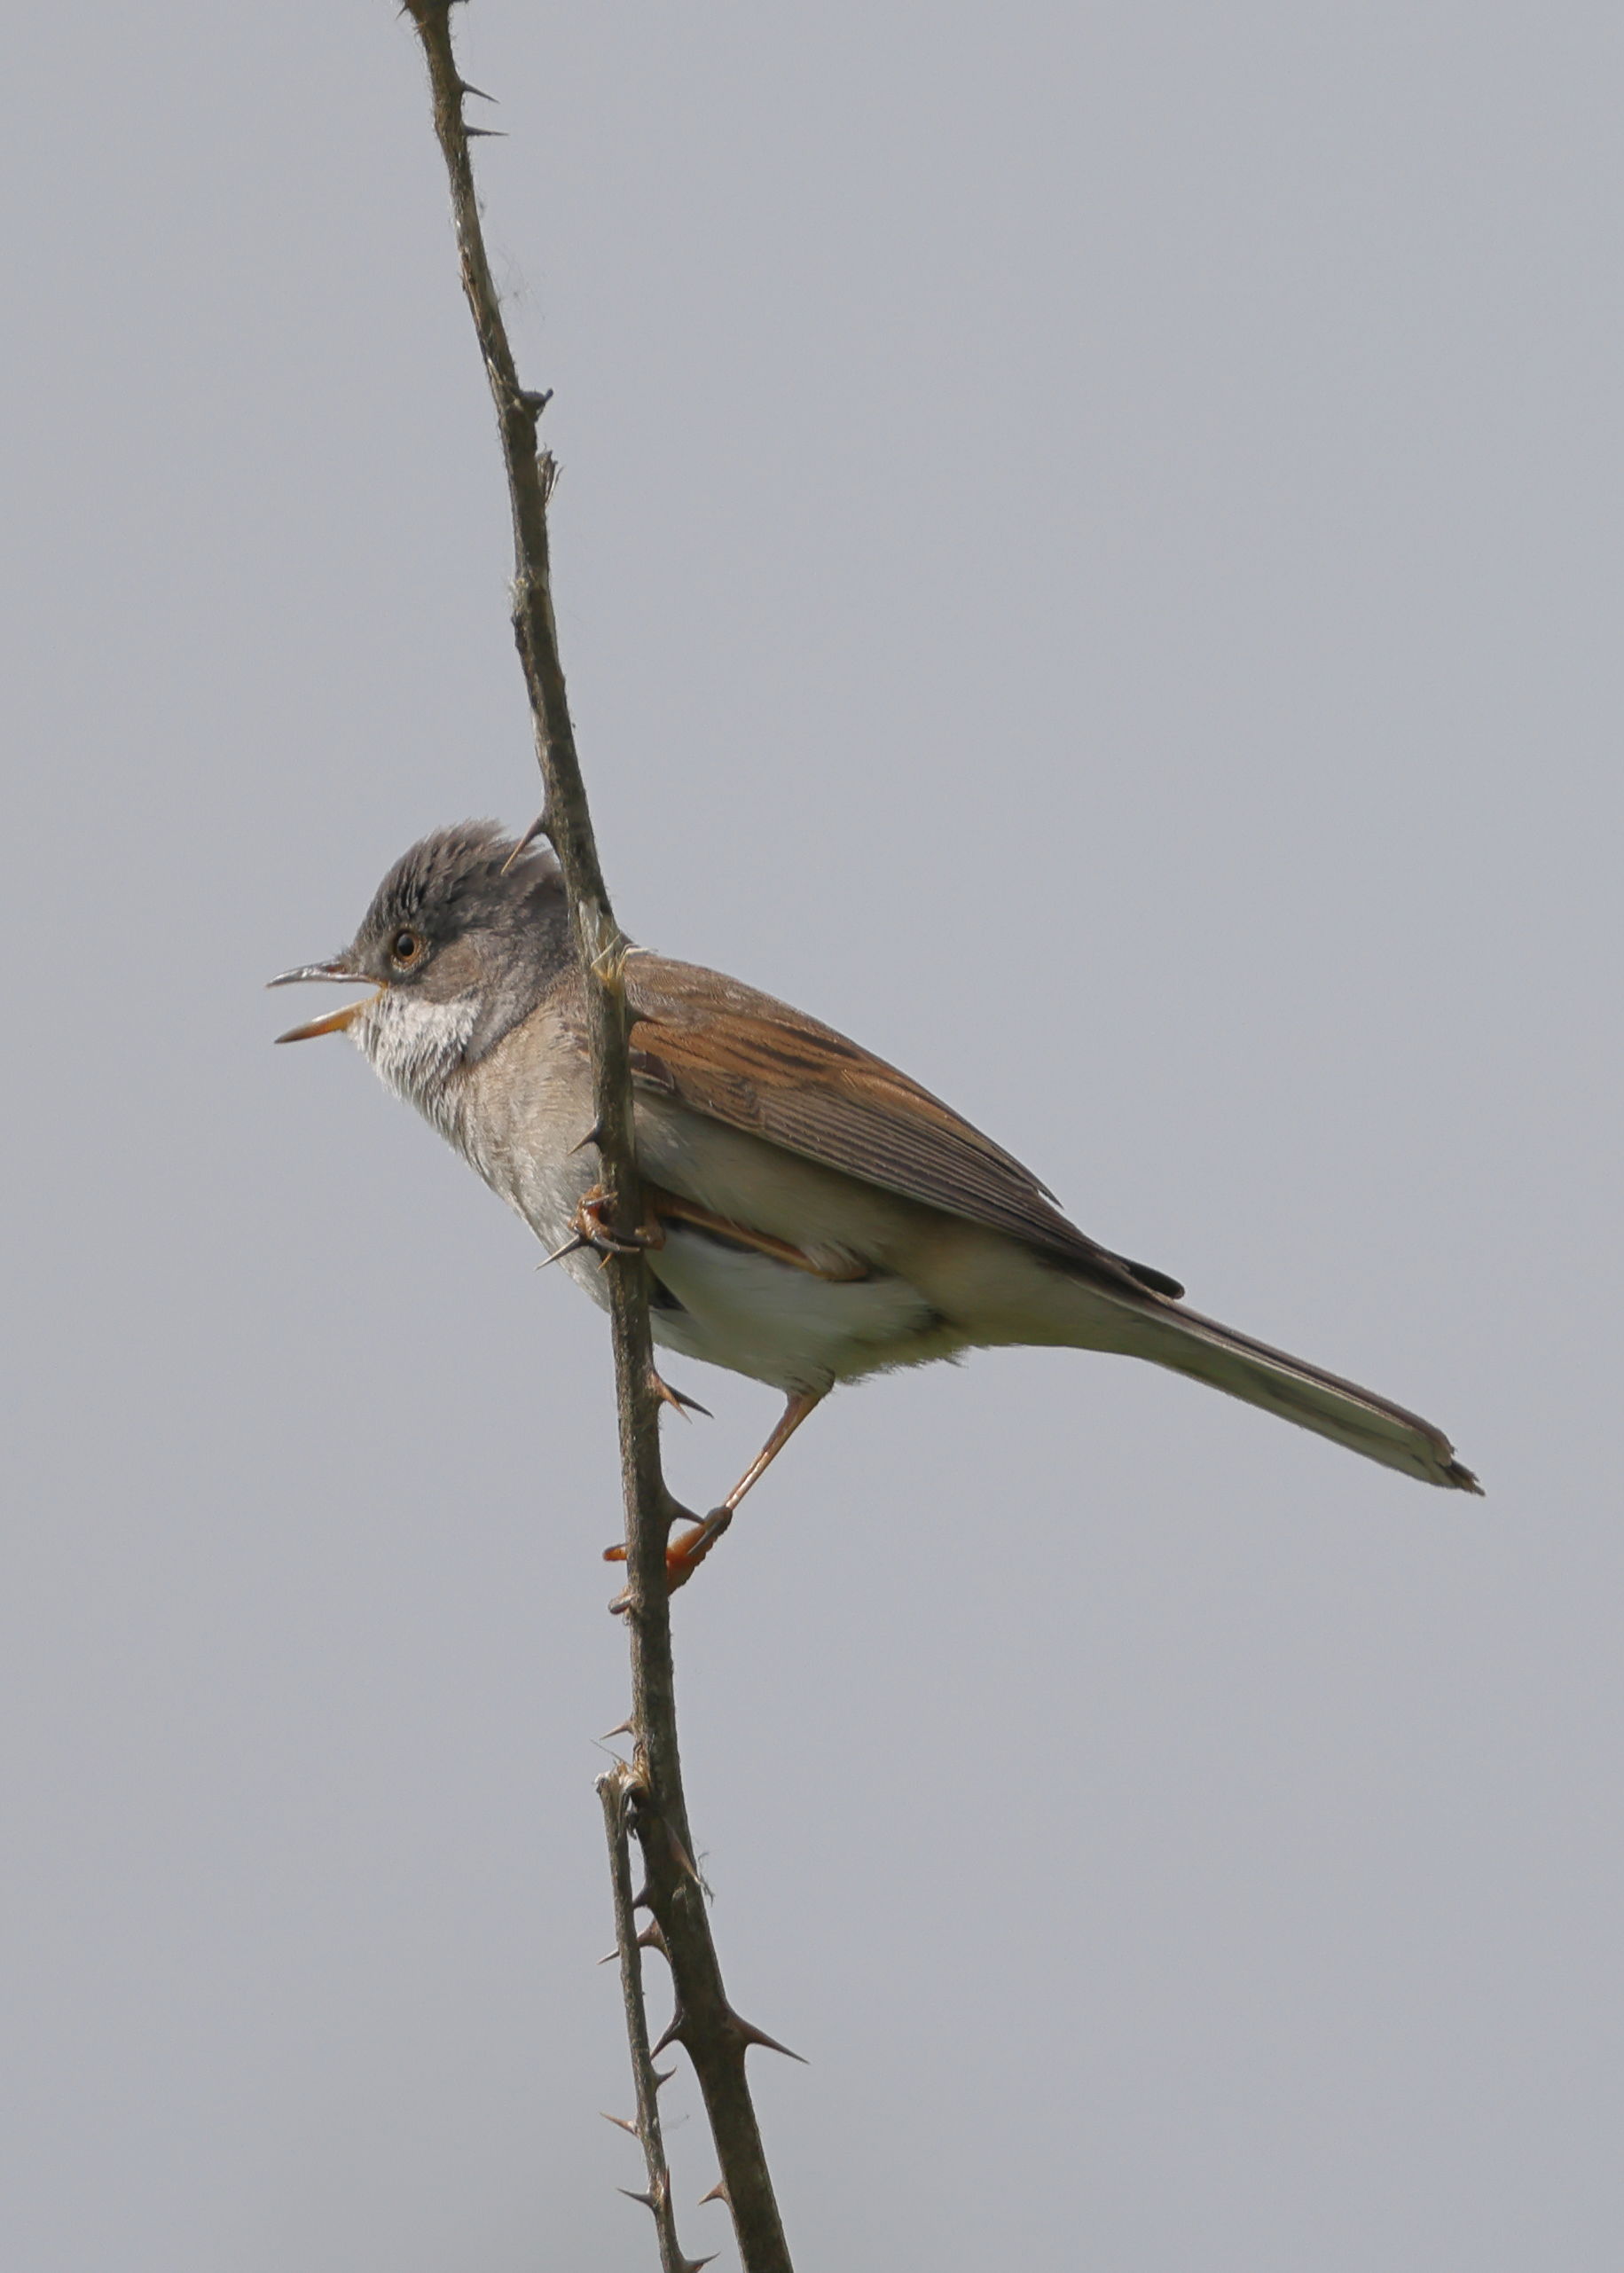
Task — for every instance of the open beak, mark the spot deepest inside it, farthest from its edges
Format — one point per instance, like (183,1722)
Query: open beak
(336,1020)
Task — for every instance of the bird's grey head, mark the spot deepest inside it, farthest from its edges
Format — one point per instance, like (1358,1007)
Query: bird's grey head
(463,937)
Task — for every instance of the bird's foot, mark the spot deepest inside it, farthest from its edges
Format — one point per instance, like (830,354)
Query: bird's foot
(684,1555)
(592,1229)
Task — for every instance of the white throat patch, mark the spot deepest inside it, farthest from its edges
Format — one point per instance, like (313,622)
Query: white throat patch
(416,1046)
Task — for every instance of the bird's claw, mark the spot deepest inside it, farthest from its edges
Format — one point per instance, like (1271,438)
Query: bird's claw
(592,1229)
(683,1556)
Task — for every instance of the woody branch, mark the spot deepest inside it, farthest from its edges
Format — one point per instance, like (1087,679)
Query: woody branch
(644,1797)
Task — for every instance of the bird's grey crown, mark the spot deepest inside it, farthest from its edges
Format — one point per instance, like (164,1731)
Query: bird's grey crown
(457,880)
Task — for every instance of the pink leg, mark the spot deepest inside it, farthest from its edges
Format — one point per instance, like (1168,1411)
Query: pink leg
(684,1555)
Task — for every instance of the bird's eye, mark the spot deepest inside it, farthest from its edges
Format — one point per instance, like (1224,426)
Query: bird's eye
(406,946)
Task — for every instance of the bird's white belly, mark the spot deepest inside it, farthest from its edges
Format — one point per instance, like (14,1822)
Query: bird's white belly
(780,1324)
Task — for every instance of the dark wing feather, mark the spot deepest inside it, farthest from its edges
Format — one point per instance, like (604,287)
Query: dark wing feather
(757,1065)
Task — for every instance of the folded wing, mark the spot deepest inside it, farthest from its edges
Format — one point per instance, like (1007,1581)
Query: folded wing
(757,1064)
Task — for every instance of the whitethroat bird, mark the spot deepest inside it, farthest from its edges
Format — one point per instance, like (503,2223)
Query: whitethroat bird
(813,1215)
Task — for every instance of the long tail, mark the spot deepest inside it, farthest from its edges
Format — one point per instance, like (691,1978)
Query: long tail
(1189,1343)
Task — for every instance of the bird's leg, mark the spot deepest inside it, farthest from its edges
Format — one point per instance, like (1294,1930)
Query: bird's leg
(798,1405)
(684,1555)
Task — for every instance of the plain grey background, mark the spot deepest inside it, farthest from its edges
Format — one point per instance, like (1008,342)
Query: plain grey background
(1088,556)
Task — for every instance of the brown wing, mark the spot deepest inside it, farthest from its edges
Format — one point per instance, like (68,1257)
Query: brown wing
(757,1065)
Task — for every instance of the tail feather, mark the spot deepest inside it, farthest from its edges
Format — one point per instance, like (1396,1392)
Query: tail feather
(1277,1382)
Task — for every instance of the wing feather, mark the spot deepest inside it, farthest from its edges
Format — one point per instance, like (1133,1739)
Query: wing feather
(755,1064)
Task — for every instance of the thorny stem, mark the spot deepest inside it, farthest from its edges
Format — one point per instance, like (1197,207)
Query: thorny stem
(617,1790)
(709,2032)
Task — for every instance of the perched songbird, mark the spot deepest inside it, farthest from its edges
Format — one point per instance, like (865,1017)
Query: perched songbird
(815,1215)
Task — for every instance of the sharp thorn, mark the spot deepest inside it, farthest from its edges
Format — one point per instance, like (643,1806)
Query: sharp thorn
(570,1246)
(683,1403)
(537,827)
(693,2264)
(749,2034)
(648,2201)
(608,1957)
(467,87)
(652,1937)
(535,400)
(485,133)
(622,1728)
(673,2034)
(718,2192)
(661,2076)
(594,1135)
(683,1860)
(620,2123)
(640,1901)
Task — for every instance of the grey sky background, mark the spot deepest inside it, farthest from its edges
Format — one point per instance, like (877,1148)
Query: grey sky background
(1088,556)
